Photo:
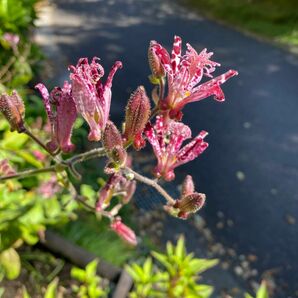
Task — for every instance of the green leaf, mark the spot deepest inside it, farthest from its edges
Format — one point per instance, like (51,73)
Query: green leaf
(262,291)
(14,140)
(91,269)
(201,265)
(51,291)
(29,158)
(88,191)
(246,295)
(161,258)
(78,274)
(148,267)
(204,290)
(170,249)
(180,248)
(25,292)
(10,261)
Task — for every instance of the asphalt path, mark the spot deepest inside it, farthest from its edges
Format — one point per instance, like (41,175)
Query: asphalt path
(250,170)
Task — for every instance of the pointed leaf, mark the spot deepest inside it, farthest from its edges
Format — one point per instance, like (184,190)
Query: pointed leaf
(262,291)
(51,291)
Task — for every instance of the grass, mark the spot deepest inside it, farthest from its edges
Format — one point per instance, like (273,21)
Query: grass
(273,19)
(96,237)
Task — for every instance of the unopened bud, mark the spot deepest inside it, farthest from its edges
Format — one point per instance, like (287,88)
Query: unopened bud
(112,142)
(13,109)
(111,137)
(154,61)
(190,204)
(136,117)
(124,231)
(187,186)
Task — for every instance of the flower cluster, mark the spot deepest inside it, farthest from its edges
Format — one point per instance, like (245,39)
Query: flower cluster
(87,95)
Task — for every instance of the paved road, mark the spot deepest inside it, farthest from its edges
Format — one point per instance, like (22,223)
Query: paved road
(250,171)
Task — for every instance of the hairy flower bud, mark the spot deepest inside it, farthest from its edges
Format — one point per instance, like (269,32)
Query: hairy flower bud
(155,64)
(112,142)
(187,186)
(136,117)
(190,204)
(13,109)
(124,231)
(111,137)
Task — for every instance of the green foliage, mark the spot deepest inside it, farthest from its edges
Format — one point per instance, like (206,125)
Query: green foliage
(90,284)
(261,293)
(25,213)
(10,265)
(175,275)
(16,16)
(18,62)
(276,19)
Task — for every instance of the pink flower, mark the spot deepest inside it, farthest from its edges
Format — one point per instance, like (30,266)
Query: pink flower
(12,39)
(184,73)
(61,112)
(166,140)
(48,189)
(124,231)
(5,168)
(91,96)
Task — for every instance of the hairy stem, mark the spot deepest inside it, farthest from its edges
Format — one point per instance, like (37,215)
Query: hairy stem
(151,183)
(29,173)
(94,153)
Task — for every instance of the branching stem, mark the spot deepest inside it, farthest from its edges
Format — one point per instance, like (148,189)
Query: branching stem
(153,184)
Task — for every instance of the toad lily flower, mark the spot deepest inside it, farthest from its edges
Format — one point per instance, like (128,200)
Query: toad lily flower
(91,96)
(61,112)
(166,140)
(184,73)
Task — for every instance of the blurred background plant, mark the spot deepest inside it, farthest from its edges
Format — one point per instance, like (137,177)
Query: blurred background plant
(19,56)
(276,20)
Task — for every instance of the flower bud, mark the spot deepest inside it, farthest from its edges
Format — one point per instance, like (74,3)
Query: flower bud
(124,231)
(112,142)
(13,109)
(190,204)
(111,137)
(136,117)
(187,186)
(154,61)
